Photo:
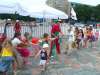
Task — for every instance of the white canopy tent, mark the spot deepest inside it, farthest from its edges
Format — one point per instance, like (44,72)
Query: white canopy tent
(41,10)
(47,12)
(32,8)
(11,6)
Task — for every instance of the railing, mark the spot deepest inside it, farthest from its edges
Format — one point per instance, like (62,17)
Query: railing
(37,31)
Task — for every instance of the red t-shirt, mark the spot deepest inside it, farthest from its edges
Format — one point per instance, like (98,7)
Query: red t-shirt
(17,27)
(55,28)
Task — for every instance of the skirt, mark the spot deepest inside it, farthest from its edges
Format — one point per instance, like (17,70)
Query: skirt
(24,52)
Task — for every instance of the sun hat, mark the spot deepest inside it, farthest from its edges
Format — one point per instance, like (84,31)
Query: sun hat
(45,45)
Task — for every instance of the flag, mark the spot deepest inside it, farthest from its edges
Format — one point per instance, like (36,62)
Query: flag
(73,14)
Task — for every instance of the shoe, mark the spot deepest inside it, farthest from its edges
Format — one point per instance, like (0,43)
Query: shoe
(42,69)
(15,72)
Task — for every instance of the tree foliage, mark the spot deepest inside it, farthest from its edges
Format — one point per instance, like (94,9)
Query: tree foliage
(16,17)
(87,13)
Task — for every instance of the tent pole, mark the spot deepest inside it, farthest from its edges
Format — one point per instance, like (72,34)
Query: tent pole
(44,18)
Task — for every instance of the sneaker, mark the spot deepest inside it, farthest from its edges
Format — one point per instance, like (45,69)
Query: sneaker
(15,72)
(42,69)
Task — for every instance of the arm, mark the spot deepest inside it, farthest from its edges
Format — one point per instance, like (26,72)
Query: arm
(37,54)
(48,52)
(52,39)
(60,30)
(61,33)
(52,34)
(14,27)
(24,42)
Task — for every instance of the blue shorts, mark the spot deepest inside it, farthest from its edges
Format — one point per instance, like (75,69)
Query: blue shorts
(5,63)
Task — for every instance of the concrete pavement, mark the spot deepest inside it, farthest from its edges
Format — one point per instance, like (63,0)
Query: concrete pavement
(85,61)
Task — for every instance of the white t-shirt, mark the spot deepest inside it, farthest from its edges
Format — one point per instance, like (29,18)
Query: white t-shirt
(70,36)
(94,31)
(15,41)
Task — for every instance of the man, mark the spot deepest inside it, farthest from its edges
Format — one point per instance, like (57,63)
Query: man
(55,44)
(8,22)
(17,27)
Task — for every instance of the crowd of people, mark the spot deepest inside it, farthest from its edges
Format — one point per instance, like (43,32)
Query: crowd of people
(78,37)
(15,52)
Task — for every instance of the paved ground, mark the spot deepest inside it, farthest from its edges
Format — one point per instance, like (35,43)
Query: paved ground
(80,62)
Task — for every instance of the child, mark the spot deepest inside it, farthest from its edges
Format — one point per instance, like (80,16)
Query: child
(70,39)
(7,56)
(35,46)
(95,38)
(43,56)
(47,40)
(97,35)
(91,36)
(80,38)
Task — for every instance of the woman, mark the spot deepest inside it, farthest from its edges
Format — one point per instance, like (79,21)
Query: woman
(21,47)
(86,30)
(80,38)
(7,56)
(70,40)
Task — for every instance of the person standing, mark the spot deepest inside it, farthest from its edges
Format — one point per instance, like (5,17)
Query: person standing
(21,49)
(43,53)
(8,22)
(17,27)
(55,44)
(70,40)
(7,57)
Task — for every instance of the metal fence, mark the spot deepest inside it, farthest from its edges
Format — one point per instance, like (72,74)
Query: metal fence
(37,31)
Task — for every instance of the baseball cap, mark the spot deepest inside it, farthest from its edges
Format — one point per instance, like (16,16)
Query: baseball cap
(55,20)
(35,40)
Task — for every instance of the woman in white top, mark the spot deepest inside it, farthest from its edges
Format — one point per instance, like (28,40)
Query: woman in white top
(21,47)
(70,39)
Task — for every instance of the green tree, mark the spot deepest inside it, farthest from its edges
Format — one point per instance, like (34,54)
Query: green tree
(97,13)
(84,12)
(16,16)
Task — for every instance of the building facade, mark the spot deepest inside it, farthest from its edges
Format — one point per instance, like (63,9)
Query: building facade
(62,5)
